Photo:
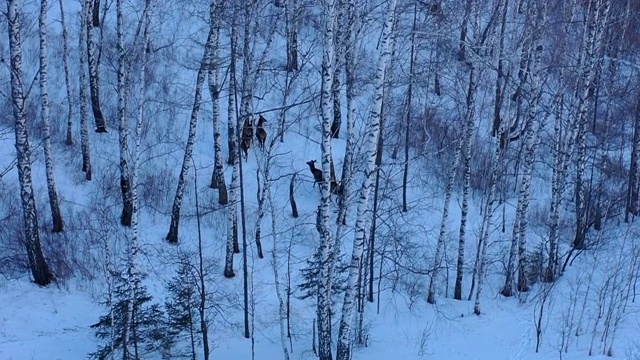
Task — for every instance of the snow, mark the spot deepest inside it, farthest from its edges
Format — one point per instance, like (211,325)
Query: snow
(53,323)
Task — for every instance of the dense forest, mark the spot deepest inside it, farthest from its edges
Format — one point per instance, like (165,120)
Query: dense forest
(287,171)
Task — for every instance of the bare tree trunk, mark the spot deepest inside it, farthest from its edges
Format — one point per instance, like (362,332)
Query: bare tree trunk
(339,47)
(322,221)
(84,114)
(231,108)
(405,175)
(598,18)
(58,224)
(275,261)
(374,216)
(633,186)
(217,178)
(371,148)
(232,226)
(292,199)
(469,119)
(172,235)
(123,131)
(67,76)
(133,247)
(440,246)
(557,188)
(94,73)
(351,43)
(39,268)
(502,77)
(481,262)
(291,30)
(462,56)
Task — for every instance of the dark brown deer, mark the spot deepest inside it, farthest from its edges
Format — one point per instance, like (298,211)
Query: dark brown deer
(247,135)
(261,133)
(319,178)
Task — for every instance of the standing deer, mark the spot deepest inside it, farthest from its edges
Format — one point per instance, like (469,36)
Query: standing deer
(261,133)
(247,135)
(319,178)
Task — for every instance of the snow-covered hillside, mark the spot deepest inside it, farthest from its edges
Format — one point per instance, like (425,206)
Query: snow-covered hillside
(526,131)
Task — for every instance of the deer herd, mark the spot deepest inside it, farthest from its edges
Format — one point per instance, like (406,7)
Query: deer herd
(261,136)
(247,135)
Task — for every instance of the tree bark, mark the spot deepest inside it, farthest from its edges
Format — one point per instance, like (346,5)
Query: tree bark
(322,223)
(217,178)
(94,72)
(371,148)
(84,114)
(67,76)
(58,224)
(123,130)
(405,175)
(172,235)
(339,48)
(39,268)
(466,144)
(291,30)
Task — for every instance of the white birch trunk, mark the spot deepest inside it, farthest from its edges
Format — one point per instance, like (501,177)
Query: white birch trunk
(94,74)
(132,267)
(350,45)
(84,113)
(67,76)
(371,150)
(338,61)
(442,235)
(232,208)
(481,262)
(322,223)
(466,144)
(172,235)
(598,18)
(275,255)
(58,224)
(551,270)
(123,130)
(39,268)
(217,178)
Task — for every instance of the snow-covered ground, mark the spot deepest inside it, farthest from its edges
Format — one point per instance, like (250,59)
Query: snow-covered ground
(54,322)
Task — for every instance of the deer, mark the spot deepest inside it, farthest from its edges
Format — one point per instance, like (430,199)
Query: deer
(247,134)
(319,178)
(261,133)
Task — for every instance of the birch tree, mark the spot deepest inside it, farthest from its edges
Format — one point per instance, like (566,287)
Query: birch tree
(633,185)
(350,45)
(94,73)
(322,222)
(58,224)
(440,246)
(231,105)
(133,275)
(532,129)
(123,130)
(232,208)
(217,178)
(39,268)
(172,235)
(84,114)
(371,152)
(339,54)
(67,76)
(405,174)
(291,31)
(466,144)
(598,14)
(561,146)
